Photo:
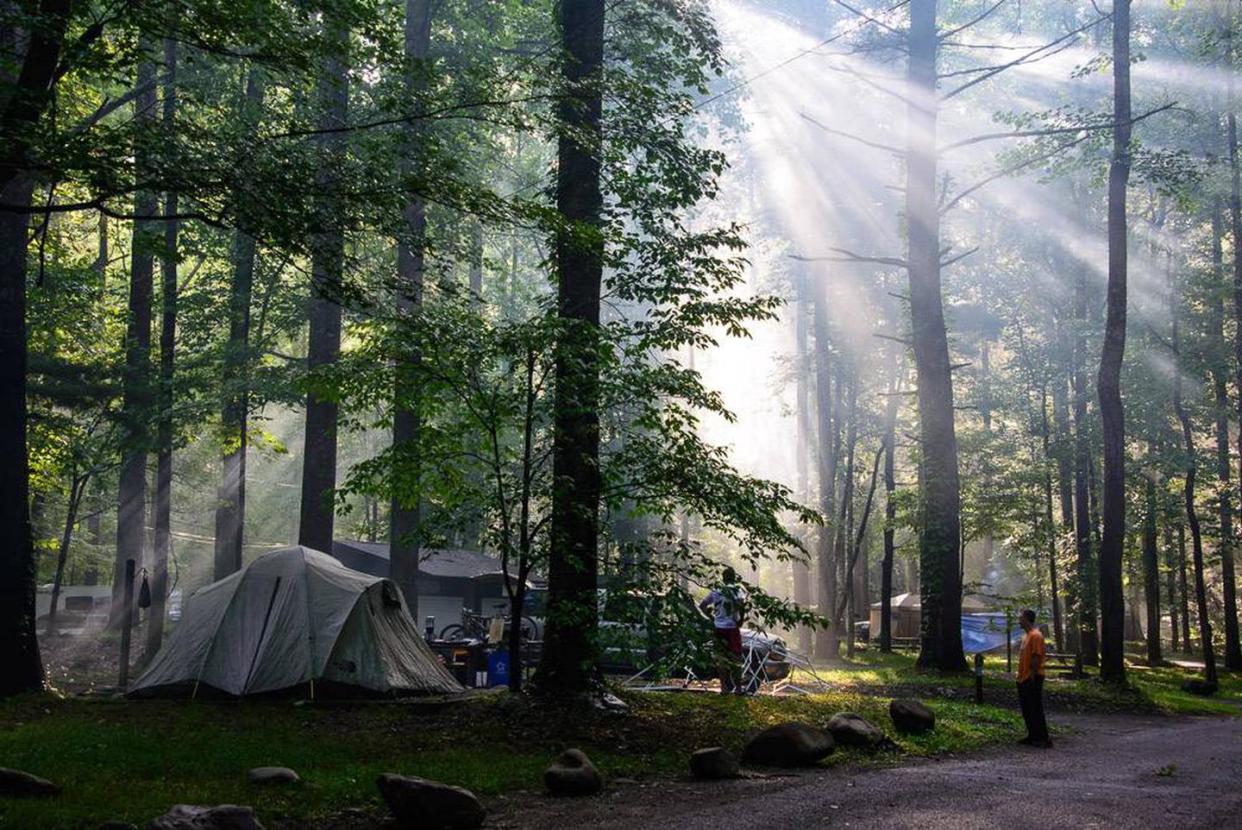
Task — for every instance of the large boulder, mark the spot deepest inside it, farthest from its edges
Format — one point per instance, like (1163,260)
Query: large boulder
(16,782)
(788,745)
(911,716)
(418,802)
(850,729)
(272,775)
(573,774)
(714,763)
(220,817)
(1199,686)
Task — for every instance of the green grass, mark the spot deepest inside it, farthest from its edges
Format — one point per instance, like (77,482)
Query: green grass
(131,760)
(1151,690)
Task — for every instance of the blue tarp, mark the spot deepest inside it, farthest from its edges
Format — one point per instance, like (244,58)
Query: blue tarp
(986,632)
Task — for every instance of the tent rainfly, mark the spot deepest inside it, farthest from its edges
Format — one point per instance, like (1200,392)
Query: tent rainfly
(295,617)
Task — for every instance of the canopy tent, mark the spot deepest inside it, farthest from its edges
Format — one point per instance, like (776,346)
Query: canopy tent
(295,617)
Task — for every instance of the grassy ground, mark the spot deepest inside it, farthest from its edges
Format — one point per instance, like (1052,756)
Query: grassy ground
(1151,689)
(131,760)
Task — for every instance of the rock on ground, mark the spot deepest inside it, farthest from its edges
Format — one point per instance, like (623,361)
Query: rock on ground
(573,774)
(911,716)
(1198,686)
(850,729)
(272,775)
(714,763)
(16,782)
(419,802)
(788,745)
(221,817)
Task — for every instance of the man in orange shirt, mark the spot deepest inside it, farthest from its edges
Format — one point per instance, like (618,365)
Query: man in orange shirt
(1031,683)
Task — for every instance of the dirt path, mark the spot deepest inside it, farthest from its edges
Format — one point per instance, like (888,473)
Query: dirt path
(1109,771)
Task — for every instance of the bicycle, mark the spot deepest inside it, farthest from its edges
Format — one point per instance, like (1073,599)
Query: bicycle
(475,626)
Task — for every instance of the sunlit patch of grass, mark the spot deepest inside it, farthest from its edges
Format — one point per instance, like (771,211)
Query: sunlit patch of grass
(1152,690)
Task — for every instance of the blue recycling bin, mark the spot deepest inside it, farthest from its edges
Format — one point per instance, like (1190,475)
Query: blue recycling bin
(498,668)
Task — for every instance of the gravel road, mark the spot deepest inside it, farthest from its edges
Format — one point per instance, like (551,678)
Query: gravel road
(1108,771)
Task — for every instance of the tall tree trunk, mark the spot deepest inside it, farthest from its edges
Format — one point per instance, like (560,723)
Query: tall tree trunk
(890,516)
(1232,656)
(845,518)
(30,89)
(405,513)
(801,568)
(1053,580)
(569,643)
(19,645)
(1065,495)
(327,267)
(1192,516)
(1151,573)
(827,640)
(1085,616)
(1220,386)
(131,518)
(985,414)
(1170,567)
(77,486)
(235,408)
(1185,585)
(940,491)
(1112,416)
(168,340)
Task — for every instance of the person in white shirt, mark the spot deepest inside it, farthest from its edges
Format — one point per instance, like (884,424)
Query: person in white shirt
(727,606)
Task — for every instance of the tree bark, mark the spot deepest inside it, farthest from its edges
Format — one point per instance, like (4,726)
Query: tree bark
(845,518)
(131,516)
(940,491)
(31,91)
(1053,580)
(1085,616)
(1151,573)
(1185,585)
(1233,659)
(1112,416)
(1065,492)
(235,406)
(405,513)
(1170,567)
(801,567)
(168,340)
(1188,490)
(77,486)
(1220,386)
(327,270)
(890,517)
(827,640)
(569,644)
(19,645)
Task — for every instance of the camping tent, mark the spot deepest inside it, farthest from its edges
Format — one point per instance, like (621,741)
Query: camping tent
(295,617)
(907,613)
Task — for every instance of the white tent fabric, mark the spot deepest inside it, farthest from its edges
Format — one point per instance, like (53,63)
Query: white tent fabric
(295,616)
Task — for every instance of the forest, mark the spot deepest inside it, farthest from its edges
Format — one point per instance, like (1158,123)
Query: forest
(861,299)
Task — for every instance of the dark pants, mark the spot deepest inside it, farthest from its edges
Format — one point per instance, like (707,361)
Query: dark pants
(1031,698)
(729,659)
